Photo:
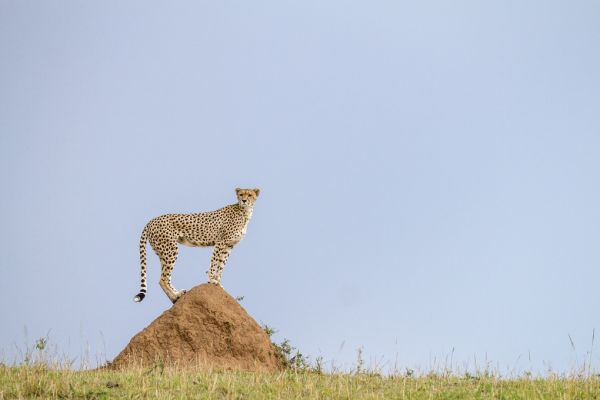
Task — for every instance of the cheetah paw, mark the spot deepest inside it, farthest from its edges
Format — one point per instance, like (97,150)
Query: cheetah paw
(181,293)
(216,283)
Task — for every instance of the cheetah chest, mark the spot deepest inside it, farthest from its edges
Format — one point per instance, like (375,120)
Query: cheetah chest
(238,233)
(246,221)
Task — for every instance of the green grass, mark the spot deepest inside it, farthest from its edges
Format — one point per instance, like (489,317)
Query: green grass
(40,382)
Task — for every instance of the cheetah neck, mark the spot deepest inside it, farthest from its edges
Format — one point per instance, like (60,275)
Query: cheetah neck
(245,211)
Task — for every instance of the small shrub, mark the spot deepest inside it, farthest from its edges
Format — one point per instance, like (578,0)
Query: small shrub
(270,331)
(40,344)
(318,368)
(360,362)
(289,355)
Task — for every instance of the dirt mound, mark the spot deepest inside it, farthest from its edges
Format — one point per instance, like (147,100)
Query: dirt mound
(206,328)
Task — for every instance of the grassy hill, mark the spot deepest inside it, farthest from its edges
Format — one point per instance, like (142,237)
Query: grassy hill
(157,382)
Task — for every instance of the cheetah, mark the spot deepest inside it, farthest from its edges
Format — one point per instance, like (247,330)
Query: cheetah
(222,229)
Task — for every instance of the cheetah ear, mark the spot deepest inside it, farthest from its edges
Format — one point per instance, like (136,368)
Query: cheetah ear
(237,190)
(256,191)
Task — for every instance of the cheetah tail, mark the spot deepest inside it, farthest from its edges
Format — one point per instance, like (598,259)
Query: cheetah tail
(140,296)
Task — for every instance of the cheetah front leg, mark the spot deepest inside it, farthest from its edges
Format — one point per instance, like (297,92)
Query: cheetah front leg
(217,263)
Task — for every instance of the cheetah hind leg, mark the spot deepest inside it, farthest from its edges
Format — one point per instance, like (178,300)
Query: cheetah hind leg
(165,282)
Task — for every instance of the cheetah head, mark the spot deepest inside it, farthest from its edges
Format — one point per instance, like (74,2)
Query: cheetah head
(246,197)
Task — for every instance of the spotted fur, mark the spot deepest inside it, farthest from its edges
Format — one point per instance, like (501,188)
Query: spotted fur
(222,229)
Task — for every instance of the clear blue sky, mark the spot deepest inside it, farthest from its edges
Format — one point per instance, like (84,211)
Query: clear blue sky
(429,171)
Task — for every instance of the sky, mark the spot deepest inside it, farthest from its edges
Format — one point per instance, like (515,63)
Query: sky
(428,172)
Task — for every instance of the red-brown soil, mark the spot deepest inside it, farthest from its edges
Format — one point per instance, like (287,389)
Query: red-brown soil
(206,328)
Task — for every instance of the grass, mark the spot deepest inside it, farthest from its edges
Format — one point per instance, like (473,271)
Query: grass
(41,375)
(41,382)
